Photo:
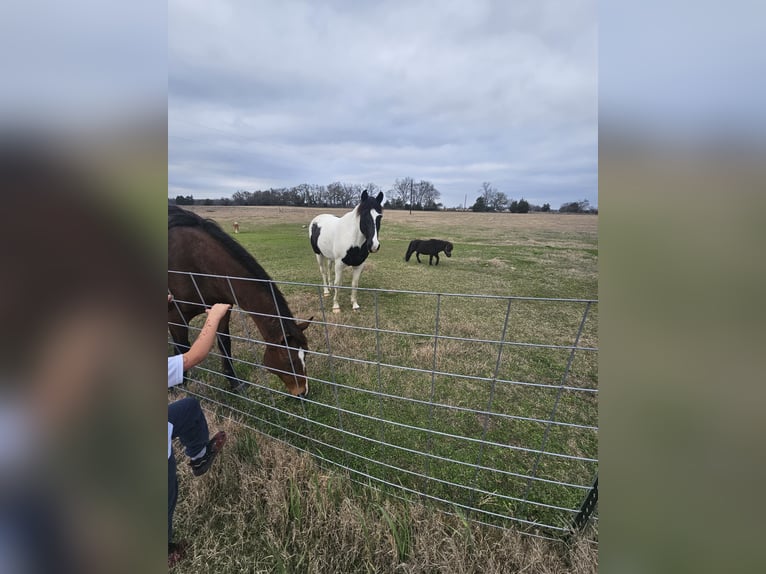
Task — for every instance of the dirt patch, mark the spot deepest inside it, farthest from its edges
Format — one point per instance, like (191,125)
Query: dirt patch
(497,262)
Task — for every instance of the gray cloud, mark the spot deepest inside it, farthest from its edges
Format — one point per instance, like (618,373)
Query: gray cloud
(277,94)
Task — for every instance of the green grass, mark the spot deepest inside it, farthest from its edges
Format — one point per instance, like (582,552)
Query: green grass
(505,256)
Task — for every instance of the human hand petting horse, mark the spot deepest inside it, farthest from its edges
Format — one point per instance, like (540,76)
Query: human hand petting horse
(206,337)
(346,241)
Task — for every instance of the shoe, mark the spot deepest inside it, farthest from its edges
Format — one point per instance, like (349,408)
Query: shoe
(175,552)
(200,465)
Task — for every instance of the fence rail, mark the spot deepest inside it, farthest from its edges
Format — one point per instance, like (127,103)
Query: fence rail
(482,403)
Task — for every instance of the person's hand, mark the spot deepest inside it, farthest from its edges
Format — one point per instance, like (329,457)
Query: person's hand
(217,311)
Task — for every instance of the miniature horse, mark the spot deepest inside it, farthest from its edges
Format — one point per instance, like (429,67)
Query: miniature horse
(207,266)
(347,241)
(430,247)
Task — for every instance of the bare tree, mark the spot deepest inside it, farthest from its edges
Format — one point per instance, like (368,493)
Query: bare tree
(373,189)
(493,200)
(427,196)
(319,195)
(351,191)
(302,194)
(498,201)
(335,194)
(401,190)
(486,191)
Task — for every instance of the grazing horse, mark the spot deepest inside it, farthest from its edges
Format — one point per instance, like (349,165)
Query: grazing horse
(347,241)
(206,266)
(430,247)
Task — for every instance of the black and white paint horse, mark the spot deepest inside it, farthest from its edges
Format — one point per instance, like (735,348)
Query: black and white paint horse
(346,241)
(430,247)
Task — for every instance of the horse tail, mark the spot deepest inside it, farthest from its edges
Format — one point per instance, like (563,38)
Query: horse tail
(411,249)
(315,238)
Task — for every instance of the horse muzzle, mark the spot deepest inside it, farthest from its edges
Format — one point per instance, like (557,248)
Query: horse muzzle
(305,393)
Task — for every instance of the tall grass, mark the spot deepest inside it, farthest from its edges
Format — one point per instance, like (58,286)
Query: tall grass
(264,507)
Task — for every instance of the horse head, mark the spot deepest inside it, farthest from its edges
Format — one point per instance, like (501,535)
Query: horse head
(370,215)
(448,249)
(287,358)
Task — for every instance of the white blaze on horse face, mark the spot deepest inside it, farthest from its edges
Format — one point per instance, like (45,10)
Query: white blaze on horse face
(375,243)
(302,357)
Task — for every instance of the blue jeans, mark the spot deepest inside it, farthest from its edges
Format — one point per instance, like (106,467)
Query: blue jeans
(190,427)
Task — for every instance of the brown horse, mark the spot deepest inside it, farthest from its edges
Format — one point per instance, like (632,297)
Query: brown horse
(207,266)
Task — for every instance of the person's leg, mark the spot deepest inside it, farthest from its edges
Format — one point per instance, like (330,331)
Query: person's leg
(172,494)
(175,549)
(189,425)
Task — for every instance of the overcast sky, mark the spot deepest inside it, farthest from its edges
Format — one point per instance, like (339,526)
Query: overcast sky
(274,94)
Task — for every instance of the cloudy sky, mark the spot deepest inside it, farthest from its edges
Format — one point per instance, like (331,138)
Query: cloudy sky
(274,94)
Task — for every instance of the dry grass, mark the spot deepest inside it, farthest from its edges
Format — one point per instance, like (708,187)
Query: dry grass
(265,507)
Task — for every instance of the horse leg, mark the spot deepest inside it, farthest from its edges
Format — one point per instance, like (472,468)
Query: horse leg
(437,259)
(324,269)
(417,256)
(338,274)
(180,335)
(354,282)
(430,259)
(224,345)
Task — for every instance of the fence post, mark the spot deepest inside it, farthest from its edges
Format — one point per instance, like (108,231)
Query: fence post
(586,508)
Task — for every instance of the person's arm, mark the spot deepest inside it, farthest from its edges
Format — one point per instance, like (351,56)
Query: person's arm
(204,342)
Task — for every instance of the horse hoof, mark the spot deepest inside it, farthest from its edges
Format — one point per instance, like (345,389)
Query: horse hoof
(336,309)
(356,308)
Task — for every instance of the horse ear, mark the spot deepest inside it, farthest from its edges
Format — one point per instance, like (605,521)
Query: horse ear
(305,324)
(380,197)
(364,195)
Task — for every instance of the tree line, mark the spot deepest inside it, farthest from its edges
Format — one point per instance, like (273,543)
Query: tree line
(422,194)
(492,200)
(406,193)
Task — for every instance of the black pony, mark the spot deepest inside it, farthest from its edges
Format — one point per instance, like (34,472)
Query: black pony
(430,247)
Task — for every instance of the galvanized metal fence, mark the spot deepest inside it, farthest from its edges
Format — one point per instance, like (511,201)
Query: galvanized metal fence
(486,404)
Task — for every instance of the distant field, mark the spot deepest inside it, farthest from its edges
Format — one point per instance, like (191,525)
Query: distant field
(536,255)
(507,255)
(556,230)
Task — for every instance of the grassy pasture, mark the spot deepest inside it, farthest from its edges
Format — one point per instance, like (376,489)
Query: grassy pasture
(264,507)
(529,255)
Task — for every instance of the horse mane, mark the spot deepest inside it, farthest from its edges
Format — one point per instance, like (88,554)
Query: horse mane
(178,217)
